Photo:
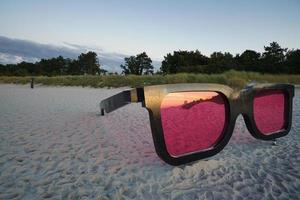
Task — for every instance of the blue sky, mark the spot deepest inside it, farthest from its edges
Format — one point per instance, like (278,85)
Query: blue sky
(157,26)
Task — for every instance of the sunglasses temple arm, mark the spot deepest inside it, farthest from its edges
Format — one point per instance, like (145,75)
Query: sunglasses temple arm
(121,99)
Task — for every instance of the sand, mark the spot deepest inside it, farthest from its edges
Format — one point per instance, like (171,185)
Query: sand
(55,145)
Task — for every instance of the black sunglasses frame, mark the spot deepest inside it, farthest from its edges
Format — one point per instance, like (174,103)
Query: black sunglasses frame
(237,102)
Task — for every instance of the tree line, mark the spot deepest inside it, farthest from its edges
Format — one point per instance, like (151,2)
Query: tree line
(274,60)
(86,63)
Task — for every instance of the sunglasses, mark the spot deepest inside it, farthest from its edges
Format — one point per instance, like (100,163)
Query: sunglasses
(195,121)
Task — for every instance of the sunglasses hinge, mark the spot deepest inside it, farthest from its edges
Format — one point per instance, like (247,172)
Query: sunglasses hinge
(137,95)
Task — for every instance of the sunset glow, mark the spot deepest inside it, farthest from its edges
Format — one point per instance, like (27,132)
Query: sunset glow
(180,98)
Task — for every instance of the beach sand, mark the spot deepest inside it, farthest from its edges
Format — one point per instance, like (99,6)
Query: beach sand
(55,145)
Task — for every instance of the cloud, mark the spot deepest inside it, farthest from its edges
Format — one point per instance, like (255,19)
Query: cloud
(29,49)
(16,50)
(7,58)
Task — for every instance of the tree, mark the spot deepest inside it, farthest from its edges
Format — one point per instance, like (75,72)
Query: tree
(273,58)
(184,61)
(89,63)
(52,66)
(74,68)
(138,65)
(28,68)
(66,66)
(19,69)
(293,61)
(220,62)
(3,70)
(249,60)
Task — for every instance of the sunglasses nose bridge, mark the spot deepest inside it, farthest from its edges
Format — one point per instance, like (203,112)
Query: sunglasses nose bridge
(239,101)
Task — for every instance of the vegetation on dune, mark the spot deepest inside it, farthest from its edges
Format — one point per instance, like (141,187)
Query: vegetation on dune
(231,78)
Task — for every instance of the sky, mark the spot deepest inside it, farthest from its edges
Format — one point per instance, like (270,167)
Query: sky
(157,27)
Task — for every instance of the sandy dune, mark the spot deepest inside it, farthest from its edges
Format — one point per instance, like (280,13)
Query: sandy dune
(54,145)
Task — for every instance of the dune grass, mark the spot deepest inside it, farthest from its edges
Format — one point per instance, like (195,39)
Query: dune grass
(232,78)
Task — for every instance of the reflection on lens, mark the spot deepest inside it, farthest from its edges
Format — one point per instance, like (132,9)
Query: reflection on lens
(192,121)
(268,110)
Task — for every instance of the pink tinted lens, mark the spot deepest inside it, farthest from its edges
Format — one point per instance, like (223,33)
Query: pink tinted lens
(268,109)
(192,121)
